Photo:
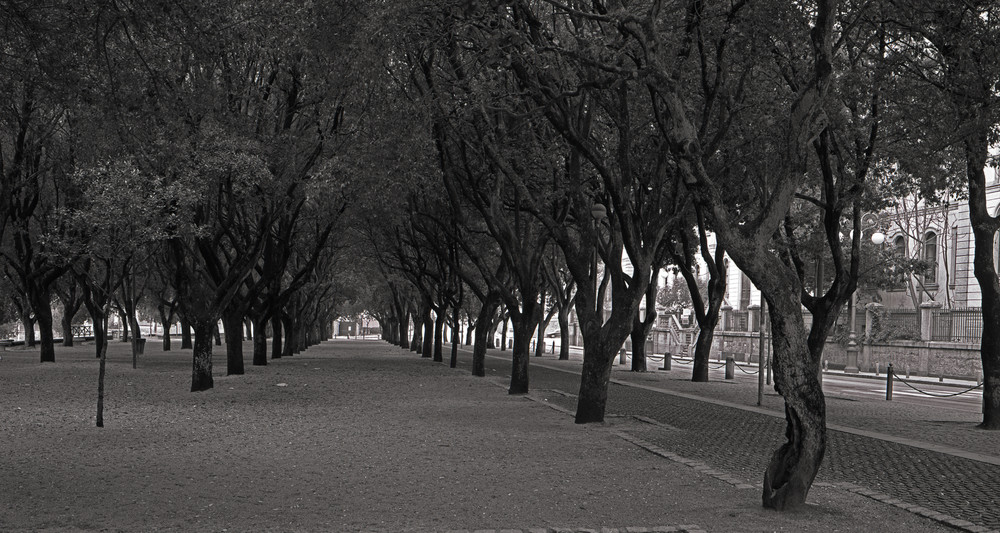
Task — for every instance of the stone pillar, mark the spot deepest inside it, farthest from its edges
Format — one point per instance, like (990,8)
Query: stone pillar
(727,317)
(871,310)
(927,319)
(754,317)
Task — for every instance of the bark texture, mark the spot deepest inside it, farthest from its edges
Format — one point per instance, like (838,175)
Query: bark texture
(201,367)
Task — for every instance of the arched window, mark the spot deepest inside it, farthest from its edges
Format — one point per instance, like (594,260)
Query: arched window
(930,256)
(899,246)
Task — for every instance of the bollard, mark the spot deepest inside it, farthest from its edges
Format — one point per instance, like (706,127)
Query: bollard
(666,361)
(941,377)
(826,364)
(888,383)
(730,368)
(907,370)
(553,347)
(621,356)
(877,365)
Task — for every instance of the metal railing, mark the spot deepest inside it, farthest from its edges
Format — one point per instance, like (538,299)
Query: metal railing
(957,325)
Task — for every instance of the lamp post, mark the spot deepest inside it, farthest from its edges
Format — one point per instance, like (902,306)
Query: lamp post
(877,239)
(598,212)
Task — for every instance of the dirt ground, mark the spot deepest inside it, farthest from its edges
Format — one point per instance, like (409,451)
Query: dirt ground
(347,436)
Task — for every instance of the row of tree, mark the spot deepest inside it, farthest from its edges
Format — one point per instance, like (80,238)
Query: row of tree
(531,141)
(183,154)
(268,160)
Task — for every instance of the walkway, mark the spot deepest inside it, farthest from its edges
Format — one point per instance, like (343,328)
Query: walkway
(879,448)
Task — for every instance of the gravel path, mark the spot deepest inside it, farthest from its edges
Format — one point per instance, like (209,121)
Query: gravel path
(352,436)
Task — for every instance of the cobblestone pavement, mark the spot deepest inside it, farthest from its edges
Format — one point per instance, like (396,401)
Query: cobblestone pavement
(739,441)
(629,529)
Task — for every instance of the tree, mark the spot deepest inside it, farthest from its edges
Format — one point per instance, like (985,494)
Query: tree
(111,228)
(949,55)
(707,307)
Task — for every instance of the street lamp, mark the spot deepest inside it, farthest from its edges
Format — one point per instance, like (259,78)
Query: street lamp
(877,239)
(598,212)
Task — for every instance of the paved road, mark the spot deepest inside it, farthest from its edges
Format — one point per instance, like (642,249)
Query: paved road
(936,396)
(739,441)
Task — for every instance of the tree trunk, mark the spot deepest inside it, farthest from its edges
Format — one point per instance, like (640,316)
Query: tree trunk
(794,465)
(100,335)
(456,336)
(492,326)
(427,350)
(103,355)
(186,343)
(594,379)
(291,335)
(469,332)
(276,337)
(639,334)
(136,338)
(232,321)
(439,335)
(201,368)
(42,305)
(67,327)
(483,333)
(503,335)
(564,334)
(28,323)
(123,318)
(524,329)
(404,329)
(418,331)
(984,229)
(259,341)
(166,337)
(702,352)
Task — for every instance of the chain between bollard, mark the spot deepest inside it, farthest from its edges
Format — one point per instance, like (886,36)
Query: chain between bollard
(925,393)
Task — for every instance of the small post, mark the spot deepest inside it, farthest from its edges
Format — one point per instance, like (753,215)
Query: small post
(621,357)
(730,368)
(877,365)
(888,383)
(666,361)
(553,347)
(907,370)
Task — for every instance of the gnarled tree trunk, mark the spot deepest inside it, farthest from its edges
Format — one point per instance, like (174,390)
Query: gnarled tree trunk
(794,466)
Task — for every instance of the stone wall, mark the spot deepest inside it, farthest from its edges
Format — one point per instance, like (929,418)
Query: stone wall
(925,358)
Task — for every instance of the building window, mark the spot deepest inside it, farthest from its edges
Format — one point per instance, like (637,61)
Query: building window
(899,246)
(930,256)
